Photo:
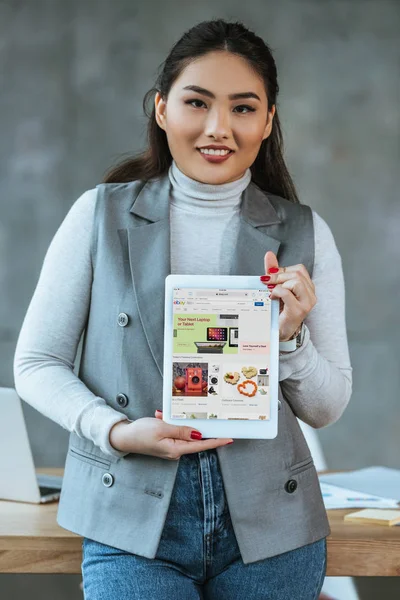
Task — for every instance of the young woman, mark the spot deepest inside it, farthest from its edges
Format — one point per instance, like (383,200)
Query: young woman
(163,513)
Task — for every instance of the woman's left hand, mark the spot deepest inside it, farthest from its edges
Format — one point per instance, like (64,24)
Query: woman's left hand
(296,291)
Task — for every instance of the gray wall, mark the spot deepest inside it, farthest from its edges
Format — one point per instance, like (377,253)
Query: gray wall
(73,75)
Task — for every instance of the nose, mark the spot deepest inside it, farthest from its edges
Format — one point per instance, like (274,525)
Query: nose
(217,124)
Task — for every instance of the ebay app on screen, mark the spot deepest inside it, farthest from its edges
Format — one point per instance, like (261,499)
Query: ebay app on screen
(221,354)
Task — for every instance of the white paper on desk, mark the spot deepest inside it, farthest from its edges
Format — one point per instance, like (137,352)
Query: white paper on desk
(379,481)
(337,497)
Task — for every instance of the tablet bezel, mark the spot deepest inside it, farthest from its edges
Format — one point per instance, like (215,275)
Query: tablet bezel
(221,428)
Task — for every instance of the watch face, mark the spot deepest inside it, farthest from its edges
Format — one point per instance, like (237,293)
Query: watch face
(300,337)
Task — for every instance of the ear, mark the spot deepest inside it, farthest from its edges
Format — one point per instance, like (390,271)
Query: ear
(268,127)
(160,108)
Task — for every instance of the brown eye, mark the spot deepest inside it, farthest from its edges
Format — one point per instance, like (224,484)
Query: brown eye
(191,102)
(249,108)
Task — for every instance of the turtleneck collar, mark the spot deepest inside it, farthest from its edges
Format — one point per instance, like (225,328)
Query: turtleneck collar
(195,196)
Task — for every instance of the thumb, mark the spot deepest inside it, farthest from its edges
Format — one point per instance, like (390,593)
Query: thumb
(270,260)
(182,432)
(179,432)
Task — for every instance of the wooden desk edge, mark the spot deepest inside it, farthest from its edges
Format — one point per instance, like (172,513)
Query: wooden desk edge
(62,553)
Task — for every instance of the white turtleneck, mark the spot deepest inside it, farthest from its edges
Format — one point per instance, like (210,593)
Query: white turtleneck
(316,379)
(211,214)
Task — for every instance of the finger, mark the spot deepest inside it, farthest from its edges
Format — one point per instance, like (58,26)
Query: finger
(282,277)
(180,432)
(270,261)
(184,433)
(302,292)
(158,414)
(290,273)
(291,302)
(299,289)
(290,282)
(183,437)
(300,268)
(200,446)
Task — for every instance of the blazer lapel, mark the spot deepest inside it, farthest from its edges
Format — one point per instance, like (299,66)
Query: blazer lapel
(150,250)
(257,214)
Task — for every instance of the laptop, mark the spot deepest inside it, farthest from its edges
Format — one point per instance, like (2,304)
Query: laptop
(18,478)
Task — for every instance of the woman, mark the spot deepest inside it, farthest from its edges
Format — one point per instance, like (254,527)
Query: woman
(164,513)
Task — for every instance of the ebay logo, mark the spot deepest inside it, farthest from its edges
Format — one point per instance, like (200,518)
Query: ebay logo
(179,302)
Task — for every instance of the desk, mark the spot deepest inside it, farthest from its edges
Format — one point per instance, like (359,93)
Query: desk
(32,542)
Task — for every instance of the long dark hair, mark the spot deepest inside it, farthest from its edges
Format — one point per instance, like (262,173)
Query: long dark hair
(269,170)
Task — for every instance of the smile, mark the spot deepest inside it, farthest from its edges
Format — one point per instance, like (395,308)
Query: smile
(214,151)
(215,156)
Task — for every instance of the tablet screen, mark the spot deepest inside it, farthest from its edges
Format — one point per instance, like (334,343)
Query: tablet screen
(221,353)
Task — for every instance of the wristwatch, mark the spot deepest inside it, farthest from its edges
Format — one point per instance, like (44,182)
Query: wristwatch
(295,341)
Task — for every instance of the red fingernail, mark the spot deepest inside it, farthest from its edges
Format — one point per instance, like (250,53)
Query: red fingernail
(265,277)
(273,270)
(158,410)
(271,286)
(196,435)
(229,443)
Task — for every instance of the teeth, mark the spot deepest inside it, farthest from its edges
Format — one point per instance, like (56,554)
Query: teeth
(214,152)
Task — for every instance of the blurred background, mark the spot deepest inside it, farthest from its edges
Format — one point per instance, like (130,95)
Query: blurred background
(73,76)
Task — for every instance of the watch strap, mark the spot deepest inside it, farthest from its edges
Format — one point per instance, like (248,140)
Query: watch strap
(294,343)
(288,346)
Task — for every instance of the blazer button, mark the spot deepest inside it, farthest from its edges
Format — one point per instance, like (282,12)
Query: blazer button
(122,400)
(123,319)
(291,486)
(107,479)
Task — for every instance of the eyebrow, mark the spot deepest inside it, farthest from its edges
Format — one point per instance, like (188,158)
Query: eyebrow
(204,92)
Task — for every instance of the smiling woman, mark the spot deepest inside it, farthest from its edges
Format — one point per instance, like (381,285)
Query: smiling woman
(216,91)
(215,126)
(165,513)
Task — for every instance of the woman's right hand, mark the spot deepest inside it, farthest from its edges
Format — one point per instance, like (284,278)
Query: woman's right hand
(154,437)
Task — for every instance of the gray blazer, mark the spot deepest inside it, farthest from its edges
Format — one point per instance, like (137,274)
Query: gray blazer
(271,486)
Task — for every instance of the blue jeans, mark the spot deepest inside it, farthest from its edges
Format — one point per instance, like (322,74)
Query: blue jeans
(198,555)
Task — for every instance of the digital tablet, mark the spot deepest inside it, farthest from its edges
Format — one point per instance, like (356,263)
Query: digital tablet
(221,356)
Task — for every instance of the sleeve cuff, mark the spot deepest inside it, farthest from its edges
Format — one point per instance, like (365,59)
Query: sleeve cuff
(103,418)
(299,360)
(106,447)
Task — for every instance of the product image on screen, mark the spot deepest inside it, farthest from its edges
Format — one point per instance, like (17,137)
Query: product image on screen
(217,333)
(221,354)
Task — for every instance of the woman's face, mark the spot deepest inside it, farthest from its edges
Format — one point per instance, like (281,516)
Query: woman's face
(194,119)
